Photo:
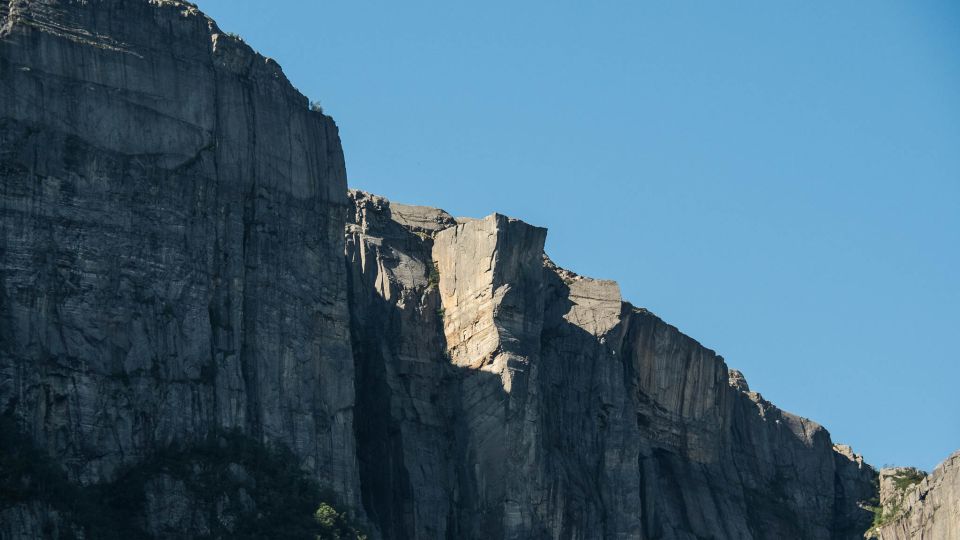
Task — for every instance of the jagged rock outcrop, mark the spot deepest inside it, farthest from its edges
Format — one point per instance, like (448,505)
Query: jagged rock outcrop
(554,409)
(916,506)
(894,483)
(181,263)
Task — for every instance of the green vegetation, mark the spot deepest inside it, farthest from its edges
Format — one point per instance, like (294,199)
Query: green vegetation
(883,516)
(334,525)
(239,487)
(433,279)
(908,479)
(902,481)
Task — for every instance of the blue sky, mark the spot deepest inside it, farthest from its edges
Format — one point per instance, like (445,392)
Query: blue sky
(779,180)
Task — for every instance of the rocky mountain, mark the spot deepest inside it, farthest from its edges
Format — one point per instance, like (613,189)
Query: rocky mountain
(204,334)
(172,243)
(521,400)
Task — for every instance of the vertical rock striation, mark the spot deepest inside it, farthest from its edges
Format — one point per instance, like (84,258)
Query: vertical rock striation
(179,260)
(491,285)
(404,383)
(556,410)
(920,507)
(171,231)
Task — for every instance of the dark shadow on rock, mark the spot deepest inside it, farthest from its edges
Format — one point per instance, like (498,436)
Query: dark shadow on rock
(610,460)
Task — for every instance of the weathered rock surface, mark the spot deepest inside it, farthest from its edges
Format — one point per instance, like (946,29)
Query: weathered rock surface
(174,227)
(171,231)
(555,410)
(926,507)
(404,382)
(895,484)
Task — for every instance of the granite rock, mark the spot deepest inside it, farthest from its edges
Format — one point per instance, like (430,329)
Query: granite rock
(181,257)
(171,231)
(923,506)
(554,409)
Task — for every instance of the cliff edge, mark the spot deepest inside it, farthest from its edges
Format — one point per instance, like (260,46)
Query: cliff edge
(204,334)
(915,505)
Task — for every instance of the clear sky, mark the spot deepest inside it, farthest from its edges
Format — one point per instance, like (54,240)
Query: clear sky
(780,180)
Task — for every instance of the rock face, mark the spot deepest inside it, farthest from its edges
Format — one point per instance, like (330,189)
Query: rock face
(405,384)
(171,231)
(524,401)
(180,258)
(925,506)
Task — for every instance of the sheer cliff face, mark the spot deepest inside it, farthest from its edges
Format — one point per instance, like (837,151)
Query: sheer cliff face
(554,409)
(172,242)
(171,230)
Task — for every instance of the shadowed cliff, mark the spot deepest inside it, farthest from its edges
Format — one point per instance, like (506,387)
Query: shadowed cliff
(181,260)
(524,401)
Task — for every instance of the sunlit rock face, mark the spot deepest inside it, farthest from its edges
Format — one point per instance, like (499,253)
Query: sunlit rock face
(181,257)
(920,506)
(491,291)
(543,406)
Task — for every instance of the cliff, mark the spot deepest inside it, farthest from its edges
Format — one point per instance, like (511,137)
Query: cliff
(524,401)
(915,506)
(171,230)
(205,334)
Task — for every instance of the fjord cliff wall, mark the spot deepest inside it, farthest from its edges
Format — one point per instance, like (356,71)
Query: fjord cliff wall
(183,272)
(543,406)
(919,506)
(171,230)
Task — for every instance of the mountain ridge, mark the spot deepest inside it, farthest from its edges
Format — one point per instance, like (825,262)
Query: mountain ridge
(187,281)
